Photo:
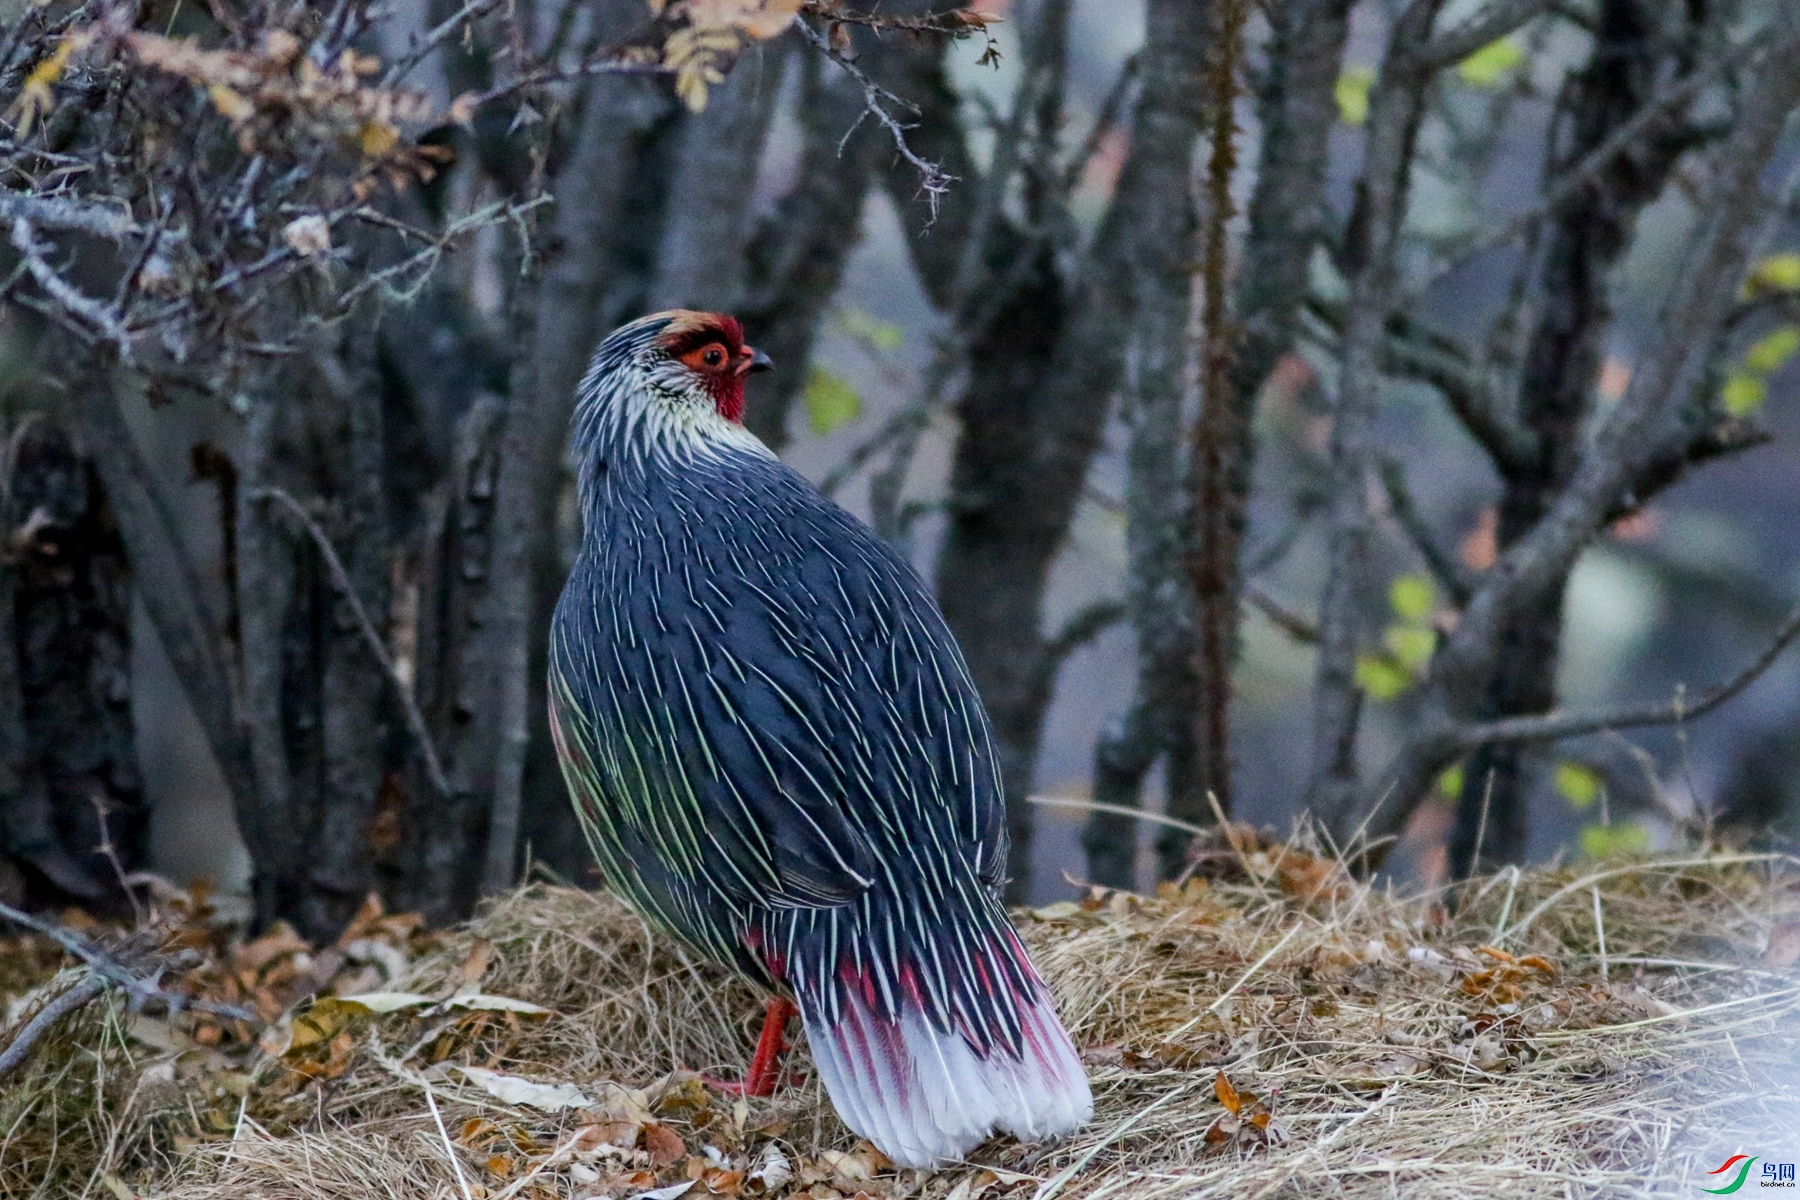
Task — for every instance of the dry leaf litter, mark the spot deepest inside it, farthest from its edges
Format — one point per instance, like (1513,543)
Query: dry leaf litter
(1269,1028)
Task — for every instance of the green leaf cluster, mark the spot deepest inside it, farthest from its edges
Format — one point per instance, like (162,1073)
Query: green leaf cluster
(1489,66)
(1613,841)
(1407,644)
(1748,385)
(830,400)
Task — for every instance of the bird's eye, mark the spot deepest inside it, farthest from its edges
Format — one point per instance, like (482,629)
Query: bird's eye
(711,357)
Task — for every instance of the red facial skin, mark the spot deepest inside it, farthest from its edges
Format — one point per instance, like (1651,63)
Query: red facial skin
(711,345)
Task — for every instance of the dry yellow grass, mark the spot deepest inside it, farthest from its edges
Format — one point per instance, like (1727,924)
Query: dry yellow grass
(1477,1044)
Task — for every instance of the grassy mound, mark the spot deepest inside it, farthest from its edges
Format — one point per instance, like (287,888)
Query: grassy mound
(1275,1030)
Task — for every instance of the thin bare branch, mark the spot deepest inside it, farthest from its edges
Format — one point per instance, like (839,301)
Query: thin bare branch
(70,999)
(140,987)
(1443,568)
(1082,627)
(933,182)
(1560,724)
(65,215)
(1282,617)
(443,31)
(340,578)
(1566,186)
(1489,25)
(96,317)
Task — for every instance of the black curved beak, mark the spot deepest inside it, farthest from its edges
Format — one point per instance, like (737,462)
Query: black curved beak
(759,361)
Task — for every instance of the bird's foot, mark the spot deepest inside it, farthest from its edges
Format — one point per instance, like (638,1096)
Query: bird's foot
(765,1065)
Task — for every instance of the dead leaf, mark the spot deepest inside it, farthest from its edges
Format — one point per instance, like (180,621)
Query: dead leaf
(617,1135)
(487,1003)
(279,941)
(512,1089)
(474,964)
(1784,945)
(308,236)
(1228,1095)
(774,1171)
(666,1193)
(1310,879)
(664,1145)
(386,1002)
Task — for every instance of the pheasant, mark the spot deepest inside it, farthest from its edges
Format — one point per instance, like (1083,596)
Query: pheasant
(778,757)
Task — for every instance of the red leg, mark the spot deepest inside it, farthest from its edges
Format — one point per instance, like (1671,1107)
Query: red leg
(765,1064)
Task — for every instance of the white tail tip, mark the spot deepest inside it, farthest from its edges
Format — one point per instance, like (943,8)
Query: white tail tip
(925,1098)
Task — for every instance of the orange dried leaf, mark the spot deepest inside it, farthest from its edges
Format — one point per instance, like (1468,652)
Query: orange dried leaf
(664,1145)
(476,1130)
(1228,1095)
(723,1183)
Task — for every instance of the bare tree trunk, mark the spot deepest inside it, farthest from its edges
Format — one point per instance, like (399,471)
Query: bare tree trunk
(69,779)
(352,718)
(449,840)
(1296,109)
(1040,382)
(1396,105)
(701,262)
(176,601)
(1562,362)
(265,588)
(561,316)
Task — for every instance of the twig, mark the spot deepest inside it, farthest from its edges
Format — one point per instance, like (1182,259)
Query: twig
(1600,931)
(462,1181)
(422,261)
(99,317)
(1140,814)
(933,181)
(1289,622)
(66,216)
(67,1001)
(444,30)
(139,988)
(1553,725)
(1565,186)
(340,578)
(1443,568)
(1086,624)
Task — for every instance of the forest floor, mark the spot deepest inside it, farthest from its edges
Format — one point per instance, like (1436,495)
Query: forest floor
(1271,1028)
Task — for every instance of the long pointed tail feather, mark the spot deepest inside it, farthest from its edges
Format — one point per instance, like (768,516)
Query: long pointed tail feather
(924,1096)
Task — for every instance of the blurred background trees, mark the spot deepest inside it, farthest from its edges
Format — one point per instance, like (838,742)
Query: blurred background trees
(1294,404)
